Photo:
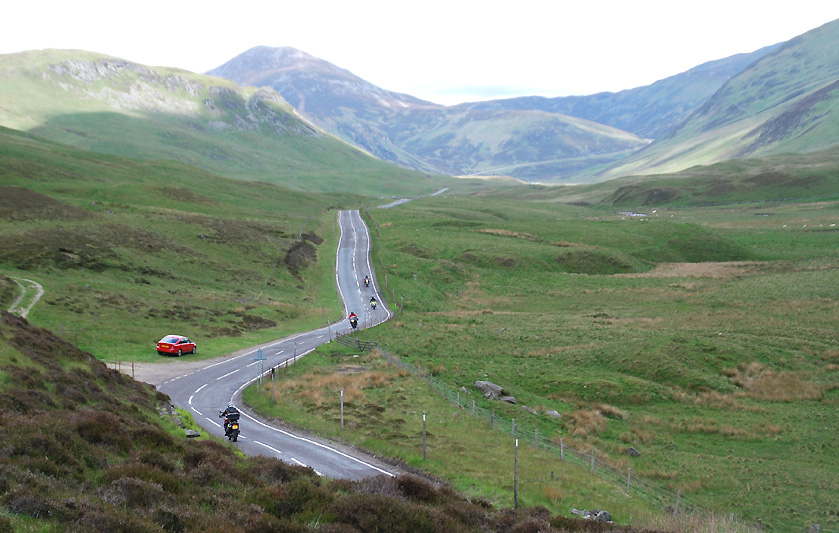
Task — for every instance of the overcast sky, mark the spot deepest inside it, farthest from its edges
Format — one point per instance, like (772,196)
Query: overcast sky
(445,51)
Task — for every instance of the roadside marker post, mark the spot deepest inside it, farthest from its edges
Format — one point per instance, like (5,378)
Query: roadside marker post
(423,438)
(261,358)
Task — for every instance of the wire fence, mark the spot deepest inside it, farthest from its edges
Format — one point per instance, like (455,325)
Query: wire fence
(664,498)
(599,466)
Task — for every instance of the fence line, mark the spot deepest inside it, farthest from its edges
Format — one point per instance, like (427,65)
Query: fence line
(352,342)
(662,497)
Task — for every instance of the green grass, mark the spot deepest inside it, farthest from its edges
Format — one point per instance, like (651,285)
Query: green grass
(383,413)
(248,134)
(88,448)
(703,336)
(130,251)
(706,340)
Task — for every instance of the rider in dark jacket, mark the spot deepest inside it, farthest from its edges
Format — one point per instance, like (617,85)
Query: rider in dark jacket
(230,414)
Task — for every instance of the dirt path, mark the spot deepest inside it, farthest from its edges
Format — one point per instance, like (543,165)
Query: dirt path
(30,286)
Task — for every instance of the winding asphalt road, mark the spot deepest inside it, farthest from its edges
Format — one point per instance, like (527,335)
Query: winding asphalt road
(206,391)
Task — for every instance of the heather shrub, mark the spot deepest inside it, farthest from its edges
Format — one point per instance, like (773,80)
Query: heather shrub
(154,437)
(300,495)
(206,475)
(112,520)
(374,512)
(563,523)
(25,378)
(169,519)
(381,484)
(271,470)
(145,472)
(24,401)
(132,493)
(101,427)
(157,459)
(266,523)
(338,528)
(32,502)
(210,453)
(466,513)
(417,489)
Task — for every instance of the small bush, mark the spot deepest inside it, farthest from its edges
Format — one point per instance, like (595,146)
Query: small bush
(373,512)
(153,437)
(144,472)
(298,496)
(418,490)
(101,427)
(271,470)
(132,493)
(36,504)
(112,520)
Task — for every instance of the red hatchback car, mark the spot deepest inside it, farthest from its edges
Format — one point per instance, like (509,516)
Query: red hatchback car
(175,344)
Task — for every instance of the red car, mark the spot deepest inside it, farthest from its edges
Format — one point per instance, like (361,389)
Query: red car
(175,344)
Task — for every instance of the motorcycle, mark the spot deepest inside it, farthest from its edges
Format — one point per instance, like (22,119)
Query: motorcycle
(366,282)
(354,323)
(233,432)
(231,427)
(373,304)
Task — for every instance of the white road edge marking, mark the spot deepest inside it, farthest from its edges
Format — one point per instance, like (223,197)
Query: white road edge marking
(309,441)
(269,447)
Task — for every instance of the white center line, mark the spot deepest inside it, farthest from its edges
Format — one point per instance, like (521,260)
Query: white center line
(228,374)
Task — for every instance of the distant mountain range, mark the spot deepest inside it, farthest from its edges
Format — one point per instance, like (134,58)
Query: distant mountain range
(114,106)
(284,116)
(422,135)
(532,138)
(786,102)
(659,127)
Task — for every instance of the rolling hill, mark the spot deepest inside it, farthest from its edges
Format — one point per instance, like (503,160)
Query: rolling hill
(785,102)
(114,106)
(649,111)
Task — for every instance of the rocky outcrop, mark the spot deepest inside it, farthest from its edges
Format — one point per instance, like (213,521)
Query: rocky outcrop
(490,390)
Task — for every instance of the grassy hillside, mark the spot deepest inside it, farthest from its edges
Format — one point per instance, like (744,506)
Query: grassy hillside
(649,111)
(703,337)
(114,106)
(779,178)
(785,102)
(86,448)
(129,251)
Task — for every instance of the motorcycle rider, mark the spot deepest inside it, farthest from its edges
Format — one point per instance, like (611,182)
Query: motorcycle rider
(366,281)
(373,302)
(230,414)
(353,320)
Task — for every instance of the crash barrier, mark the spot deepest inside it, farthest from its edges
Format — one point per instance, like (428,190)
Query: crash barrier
(664,498)
(358,344)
